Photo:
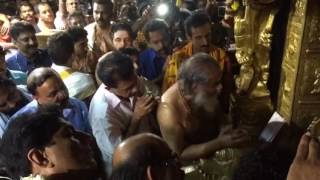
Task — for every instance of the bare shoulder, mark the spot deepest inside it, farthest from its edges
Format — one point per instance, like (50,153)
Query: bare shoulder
(168,110)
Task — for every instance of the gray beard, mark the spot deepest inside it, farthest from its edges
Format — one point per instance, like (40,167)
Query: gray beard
(206,104)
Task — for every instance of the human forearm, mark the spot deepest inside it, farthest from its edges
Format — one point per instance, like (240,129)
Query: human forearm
(62,8)
(139,24)
(197,151)
(134,124)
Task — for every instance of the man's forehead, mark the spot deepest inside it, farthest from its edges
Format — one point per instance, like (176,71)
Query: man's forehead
(25,7)
(125,84)
(121,32)
(72,1)
(44,6)
(200,29)
(100,7)
(26,34)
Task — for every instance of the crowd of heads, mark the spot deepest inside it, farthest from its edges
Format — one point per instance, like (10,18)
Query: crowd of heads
(119,49)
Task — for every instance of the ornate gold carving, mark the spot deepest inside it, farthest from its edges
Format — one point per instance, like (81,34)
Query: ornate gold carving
(316,83)
(306,115)
(314,127)
(290,64)
(314,33)
(253,42)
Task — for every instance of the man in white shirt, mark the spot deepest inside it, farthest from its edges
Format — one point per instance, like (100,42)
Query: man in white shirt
(79,85)
(124,105)
(45,16)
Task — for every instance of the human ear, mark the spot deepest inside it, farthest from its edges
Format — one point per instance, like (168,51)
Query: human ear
(38,157)
(149,173)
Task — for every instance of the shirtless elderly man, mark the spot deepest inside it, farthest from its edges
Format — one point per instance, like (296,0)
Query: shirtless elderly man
(190,116)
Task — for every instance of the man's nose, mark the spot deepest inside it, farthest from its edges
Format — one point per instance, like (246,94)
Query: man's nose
(204,41)
(134,90)
(122,43)
(32,41)
(98,16)
(160,45)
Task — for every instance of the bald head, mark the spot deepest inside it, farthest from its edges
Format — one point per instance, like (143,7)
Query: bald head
(141,150)
(38,76)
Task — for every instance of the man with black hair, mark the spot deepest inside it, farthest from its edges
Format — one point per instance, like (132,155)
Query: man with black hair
(11,101)
(122,106)
(26,13)
(84,59)
(61,50)
(76,19)
(121,35)
(198,30)
(47,88)
(152,60)
(98,31)
(28,56)
(145,157)
(45,145)
(133,53)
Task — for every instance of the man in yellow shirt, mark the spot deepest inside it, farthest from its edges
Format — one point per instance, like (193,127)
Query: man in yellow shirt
(198,30)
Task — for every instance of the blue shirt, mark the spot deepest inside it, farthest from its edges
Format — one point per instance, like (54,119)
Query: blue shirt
(18,77)
(19,62)
(76,113)
(3,123)
(150,64)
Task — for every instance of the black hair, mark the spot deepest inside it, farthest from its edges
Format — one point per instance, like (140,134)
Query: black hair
(114,67)
(60,48)
(197,19)
(190,5)
(76,14)
(130,51)
(107,3)
(24,133)
(155,25)
(121,26)
(23,3)
(265,163)
(20,27)
(77,34)
(36,7)
(38,76)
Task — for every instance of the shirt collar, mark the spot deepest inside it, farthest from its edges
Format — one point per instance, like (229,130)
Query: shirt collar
(58,67)
(112,99)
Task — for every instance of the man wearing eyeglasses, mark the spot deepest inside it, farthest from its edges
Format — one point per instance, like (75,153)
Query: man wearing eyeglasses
(145,156)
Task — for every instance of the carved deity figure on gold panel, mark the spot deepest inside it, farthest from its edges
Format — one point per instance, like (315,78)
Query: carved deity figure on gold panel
(253,41)
(253,26)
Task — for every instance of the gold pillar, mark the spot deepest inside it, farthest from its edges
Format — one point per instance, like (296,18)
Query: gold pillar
(299,100)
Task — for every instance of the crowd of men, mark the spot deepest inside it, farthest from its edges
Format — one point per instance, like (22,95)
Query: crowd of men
(120,95)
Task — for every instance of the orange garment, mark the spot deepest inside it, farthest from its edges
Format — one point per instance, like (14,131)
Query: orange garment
(178,57)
